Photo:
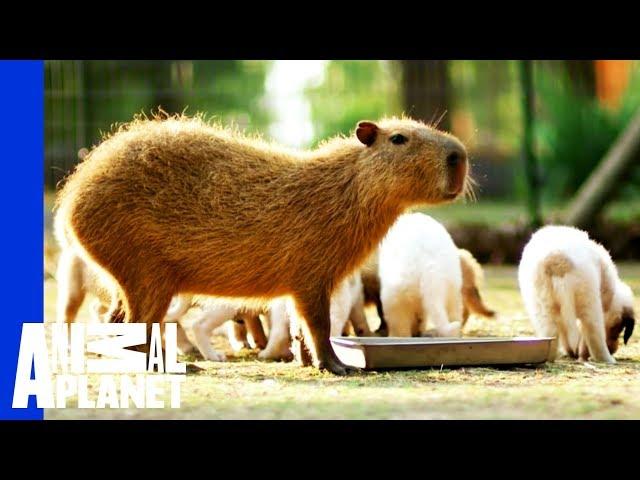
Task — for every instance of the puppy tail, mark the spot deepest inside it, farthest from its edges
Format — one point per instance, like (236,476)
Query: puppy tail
(472,279)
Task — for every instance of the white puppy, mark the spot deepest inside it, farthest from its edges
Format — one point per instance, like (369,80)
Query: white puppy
(572,291)
(210,313)
(421,278)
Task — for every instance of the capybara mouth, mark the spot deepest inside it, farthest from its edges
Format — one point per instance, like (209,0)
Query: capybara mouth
(457,180)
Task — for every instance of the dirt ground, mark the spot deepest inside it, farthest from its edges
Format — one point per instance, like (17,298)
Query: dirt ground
(245,388)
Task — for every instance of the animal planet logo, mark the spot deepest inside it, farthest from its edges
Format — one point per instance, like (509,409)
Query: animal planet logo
(125,376)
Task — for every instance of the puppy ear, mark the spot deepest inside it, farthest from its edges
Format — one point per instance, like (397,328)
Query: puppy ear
(367,132)
(628,322)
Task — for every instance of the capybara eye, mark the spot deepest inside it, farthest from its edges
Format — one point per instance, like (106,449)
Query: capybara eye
(398,139)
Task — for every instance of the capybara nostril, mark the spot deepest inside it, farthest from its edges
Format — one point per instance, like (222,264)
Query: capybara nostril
(453,159)
(456,156)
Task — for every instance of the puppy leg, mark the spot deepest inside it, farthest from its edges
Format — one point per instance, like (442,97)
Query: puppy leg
(98,310)
(358,319)
(435,312)
(237,334)
(255,329)
(593,329)
(568,324)
(455,307)
(544,318)
(400,320)
(71,291)
(211,318)
(279,343)
(183,343)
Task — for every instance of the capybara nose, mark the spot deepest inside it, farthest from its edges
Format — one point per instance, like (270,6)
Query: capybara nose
(456,154)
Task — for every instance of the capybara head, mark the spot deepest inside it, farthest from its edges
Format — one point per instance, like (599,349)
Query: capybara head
(426,165)
(621,317)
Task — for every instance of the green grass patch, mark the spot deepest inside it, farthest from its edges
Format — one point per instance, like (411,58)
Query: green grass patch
(246,388)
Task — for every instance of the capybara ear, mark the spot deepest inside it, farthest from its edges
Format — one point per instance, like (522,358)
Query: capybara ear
(628,322)
(367,132)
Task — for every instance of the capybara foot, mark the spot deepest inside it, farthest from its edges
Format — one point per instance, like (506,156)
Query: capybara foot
(336,367)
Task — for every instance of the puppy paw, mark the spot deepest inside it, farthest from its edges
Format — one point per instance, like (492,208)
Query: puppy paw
(271,355)
(452,330)
(215,356)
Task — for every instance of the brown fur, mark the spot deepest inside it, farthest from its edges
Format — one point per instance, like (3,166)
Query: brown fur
(166,206)
(251,325)
(557,265)
(371,288)
(472,278)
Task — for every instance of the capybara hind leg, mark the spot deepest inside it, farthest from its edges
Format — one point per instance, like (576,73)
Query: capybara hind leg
(147,305)
(316,319)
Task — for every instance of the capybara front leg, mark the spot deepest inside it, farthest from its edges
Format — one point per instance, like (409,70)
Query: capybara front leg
(316,320)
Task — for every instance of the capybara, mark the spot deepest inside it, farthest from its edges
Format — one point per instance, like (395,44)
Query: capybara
(176,205)
(565,276)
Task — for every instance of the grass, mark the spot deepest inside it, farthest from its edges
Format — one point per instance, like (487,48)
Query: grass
(245,388)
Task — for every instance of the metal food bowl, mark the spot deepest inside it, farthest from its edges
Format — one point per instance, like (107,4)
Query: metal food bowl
(372,353)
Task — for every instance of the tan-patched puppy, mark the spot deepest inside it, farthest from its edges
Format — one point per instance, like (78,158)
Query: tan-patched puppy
(571,290)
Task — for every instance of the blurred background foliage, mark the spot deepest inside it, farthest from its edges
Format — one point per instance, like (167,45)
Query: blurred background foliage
(580,108)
